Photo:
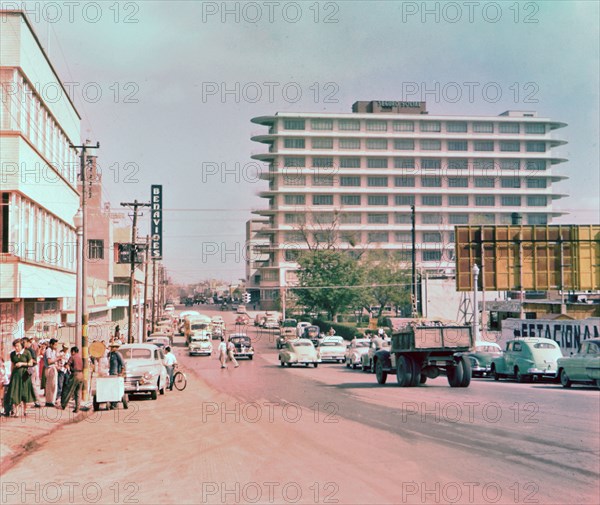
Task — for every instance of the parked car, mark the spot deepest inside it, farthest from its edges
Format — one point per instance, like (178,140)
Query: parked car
(299,352)
(169,307)
(312,333)
(481,357)
(583,367)
(332,349)
(355,350)
(161,340)
(200,344)
(144,369)
(367,358)
(243,345)
(526,359)
(300,328)
(271,324)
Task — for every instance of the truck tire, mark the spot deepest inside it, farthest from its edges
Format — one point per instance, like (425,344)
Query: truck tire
(465,364)
(380,373)
(454,374)
(423,379)
(416,372)
(403,371)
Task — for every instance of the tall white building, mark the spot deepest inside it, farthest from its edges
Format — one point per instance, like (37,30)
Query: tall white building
(39,195)
(351,179)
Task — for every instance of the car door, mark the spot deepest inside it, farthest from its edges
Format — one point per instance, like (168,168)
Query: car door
(591,362)
(503,363)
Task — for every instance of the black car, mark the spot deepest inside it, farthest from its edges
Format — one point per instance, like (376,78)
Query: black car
(312,333)
(243,345)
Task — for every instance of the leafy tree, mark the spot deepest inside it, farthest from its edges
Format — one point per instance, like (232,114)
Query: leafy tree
(391,282)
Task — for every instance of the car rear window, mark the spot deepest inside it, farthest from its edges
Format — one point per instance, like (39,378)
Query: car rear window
(302,344)
(544,345)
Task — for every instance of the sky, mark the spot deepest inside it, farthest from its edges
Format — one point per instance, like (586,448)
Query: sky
(169,89)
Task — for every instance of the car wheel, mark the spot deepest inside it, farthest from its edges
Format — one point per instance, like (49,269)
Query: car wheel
(494,373)
(423,379)
(380,373)
(354,365)
(315,365)
(154,394)
(519,376)
(564,379)
(403,371)
(95,404)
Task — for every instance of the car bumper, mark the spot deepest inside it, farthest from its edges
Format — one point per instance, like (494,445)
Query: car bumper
(332,358)
(484,370)
(244,354)
(137,387)
(200,352)
(551,374)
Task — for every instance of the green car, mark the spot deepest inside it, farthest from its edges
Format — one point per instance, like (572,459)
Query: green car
(481,357)
(526,359)
(583,367)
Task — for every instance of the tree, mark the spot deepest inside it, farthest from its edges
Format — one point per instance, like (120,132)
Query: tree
(391,282)
(328,276)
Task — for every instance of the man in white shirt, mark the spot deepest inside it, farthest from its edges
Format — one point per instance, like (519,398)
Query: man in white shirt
(50,359)
(222,352)
(170,361)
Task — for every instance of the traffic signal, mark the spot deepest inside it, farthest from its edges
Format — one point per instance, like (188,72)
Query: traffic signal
(246,297)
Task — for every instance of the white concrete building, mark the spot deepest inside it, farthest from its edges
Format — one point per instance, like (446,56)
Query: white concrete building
(38,174)
(351,179)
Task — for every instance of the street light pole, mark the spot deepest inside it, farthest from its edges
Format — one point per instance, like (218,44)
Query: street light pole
(475,302)
(78,222)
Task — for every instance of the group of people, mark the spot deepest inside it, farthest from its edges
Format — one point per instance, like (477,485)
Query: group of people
(59,372)
(226,353)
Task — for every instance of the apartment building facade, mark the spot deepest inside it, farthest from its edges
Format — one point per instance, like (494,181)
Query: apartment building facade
(351,179)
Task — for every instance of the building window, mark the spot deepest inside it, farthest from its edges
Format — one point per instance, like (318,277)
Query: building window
(431,200)
(483,127)
(458,145)
(294,219)
(349,124)
(404,237)
(458,200)
(322,199)
(536,164)
(458,218)
(377,182)
(349,181)
(376,144)
(292,236)
(294,143)
(322,180)
(510,182)
(483,145)
(404,126)
(295,199)
(535,128)
(291,255)
(431,126)
(509,164)
(485,182)
(349,162)
(404,199)
(458,182)
(483,164)
(404,144)
(432,255)
(351,238)
(378,200)
(350,199)
(377,163)
(377,218)
(536,201)
(537,219)
(378,236)
(404,163)
(511,201)
(404,182)
(376,126)
(510,146)
(536,183)
(295,161)
(294,180)
(323,237)
(485,201)
(456,127)
(458,164)
(347,218)
(431,145)
(431,182)
(322,162)
(294,124)
(96,249)
(321,124)
(402,218)
(431,164)
(536,147)
(322,143)
(322,217)
(349,143)
(435,237)
(509,128)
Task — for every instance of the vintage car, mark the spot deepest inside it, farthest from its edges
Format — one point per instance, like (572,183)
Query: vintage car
(312,333)
(166,328)
(332,349)
(355,351)
(200,344)
(481,357)
(144,369)
(271,323)
(367,358)
(194,325)
(527,359)
(583,367)
(288,328)
(299,352)
(259,320)
(159,340)
(243,345)
(300,328)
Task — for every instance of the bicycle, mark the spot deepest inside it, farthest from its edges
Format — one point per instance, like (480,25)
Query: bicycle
(179,380)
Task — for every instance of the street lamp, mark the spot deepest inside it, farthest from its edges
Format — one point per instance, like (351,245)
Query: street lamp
(78,222)
(475,303)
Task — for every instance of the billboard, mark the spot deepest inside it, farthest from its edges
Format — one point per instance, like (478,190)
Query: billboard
(528,258)
(156,221)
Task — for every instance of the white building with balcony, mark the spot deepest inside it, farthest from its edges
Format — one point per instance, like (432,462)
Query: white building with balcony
(351,179)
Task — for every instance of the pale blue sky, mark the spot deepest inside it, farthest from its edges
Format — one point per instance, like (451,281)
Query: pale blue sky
(373,51)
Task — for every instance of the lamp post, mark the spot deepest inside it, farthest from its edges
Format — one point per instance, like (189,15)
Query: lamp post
(475,307)
(78,222)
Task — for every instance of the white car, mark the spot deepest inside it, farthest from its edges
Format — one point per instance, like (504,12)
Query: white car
(355,351)
(299,352)
(144,369)
(200,343)
(300,328)
(332,349)
(271,324)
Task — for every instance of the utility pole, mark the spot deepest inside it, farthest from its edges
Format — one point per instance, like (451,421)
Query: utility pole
(146,268)
(153,295)
(414,301)
(135,206)
(84,308)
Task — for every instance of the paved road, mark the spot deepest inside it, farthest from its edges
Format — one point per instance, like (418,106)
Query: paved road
(264,434)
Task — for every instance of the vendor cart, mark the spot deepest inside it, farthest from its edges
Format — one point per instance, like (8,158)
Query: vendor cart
(109,390)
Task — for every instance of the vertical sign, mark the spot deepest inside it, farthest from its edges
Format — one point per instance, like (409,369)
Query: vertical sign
(156,222)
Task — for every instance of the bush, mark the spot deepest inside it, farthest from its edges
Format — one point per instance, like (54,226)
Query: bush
(346,331)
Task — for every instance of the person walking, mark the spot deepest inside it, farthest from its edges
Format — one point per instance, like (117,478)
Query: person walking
(170,361)
(116,365)
(28,345)
(20,387)
(231,353)
(61,362)
(51,371)
(75,384)
(222,352)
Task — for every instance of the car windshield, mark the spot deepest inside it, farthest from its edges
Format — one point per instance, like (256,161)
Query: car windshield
(200,338)
(134,353)
(488,348)
(302,344)
(290,323)
(240,340)
(199,326)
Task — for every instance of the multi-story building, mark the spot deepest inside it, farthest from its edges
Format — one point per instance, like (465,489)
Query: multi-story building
(351,180)
(39,195)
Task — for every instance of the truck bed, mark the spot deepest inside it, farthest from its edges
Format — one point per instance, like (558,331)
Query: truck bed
(433,338)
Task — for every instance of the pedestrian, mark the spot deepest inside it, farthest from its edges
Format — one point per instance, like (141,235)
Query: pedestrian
(116,365)
(33,370)
(222,352)
(4,381)
(61,362)
(21,387)
(170,361)
(331,332)
(117,332)
(51,372)
(75,384)
(231,353)
(42,372)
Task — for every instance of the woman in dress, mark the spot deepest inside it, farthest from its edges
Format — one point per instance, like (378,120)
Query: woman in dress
(21,387)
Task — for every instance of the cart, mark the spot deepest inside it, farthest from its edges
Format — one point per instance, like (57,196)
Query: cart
(109,389)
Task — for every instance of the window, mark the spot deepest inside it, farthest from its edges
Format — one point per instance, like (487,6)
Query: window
(509,128)
(322,143)
(294,124)
(432,200)
(321,124)
(483,145)
(294,219)
(349,124)
(376,126)
(376,144)
(294,180)
(404,163)
(349,143)
(404,144)
(483,164)
(322,199)
(485,201)
(350,162)
(510,146)
(483,127)
(404,237)
(537,219)
(404,182)
(296,161)
(483,219)
(458,219)
(378,236)
(431,182)
(510,182)
(95,249)
(294,143)
(350,200)
(509,164)
(536,201)
(350,238)
(435,236)
(536,183)
(404,199)
(458,182)
(290,255)
(457,145)
(402,218)
(431,126)
(295,199)
(322,180)
(346,218)
(536,147)
(536,164)
(432,255)
(456,127)
(535,128)
(377,218)
(378,200)
(377,162)
(292,236)
(458,164)
(511,201)
(377,182)
(458,200)
(322,162)
(322,217)
(431,164)
(431,145)
(403,126)
(349,181)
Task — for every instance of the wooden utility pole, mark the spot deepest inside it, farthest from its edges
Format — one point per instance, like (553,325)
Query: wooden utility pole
(153,295)
(146,268)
